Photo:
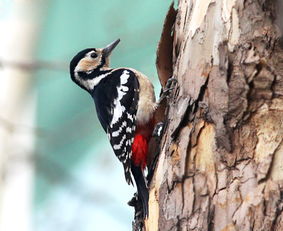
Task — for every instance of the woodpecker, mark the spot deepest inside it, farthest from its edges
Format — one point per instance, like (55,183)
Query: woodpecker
(125,104)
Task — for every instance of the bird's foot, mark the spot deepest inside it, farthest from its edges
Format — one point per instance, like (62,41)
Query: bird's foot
(170,85)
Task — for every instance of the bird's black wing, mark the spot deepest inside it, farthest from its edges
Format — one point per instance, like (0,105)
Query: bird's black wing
(122,127)
(118,116)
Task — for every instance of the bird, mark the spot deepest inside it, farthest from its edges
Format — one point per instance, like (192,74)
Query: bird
(125,104)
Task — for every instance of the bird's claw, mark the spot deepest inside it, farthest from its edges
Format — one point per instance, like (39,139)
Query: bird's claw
(170,81)
(170,85)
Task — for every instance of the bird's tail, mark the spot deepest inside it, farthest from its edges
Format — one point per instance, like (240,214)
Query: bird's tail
(141,187)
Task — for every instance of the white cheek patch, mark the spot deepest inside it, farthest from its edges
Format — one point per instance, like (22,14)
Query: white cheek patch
(118,108)
(89,84)
(87,64)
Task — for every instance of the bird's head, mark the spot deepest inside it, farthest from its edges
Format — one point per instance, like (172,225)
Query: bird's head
(89,63)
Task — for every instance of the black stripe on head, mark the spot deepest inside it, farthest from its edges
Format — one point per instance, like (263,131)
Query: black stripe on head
(83,75)
(74,62)
(78,57)
(103,61)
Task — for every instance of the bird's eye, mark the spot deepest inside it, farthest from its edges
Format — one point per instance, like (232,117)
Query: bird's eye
(93,55)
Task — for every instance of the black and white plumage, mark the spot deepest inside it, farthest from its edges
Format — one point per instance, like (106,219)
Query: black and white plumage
(117,116)
(125,104)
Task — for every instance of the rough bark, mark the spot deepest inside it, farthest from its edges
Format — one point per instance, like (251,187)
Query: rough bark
(220,165)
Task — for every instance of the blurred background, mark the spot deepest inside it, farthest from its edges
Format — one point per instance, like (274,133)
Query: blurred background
(57,169)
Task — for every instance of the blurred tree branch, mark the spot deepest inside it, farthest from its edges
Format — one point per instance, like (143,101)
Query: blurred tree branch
(34,65)
(11,126)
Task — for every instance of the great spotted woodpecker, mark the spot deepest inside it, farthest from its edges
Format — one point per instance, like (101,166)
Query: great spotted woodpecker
(125,105)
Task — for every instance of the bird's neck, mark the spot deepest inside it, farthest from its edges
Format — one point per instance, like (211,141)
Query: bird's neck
(89,80)
(100,71)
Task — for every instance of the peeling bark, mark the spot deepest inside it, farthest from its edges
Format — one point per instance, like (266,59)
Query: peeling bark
(220,165)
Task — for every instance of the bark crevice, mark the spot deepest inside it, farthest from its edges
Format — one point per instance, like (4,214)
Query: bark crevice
(220,165)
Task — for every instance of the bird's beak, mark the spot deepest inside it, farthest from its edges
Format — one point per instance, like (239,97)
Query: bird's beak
(108,49)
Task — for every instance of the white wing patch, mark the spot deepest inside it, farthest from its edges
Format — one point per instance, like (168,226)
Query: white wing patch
(130,116)
(118,146)
(117,133)
(122,124)
(118,108)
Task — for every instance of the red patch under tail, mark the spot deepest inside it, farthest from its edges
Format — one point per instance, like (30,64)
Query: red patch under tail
(139,150)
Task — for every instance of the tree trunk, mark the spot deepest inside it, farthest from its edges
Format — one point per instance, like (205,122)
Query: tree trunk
(220,165)
(20,26)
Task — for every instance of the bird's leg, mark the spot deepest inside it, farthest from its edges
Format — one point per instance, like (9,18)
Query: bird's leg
(170,85)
